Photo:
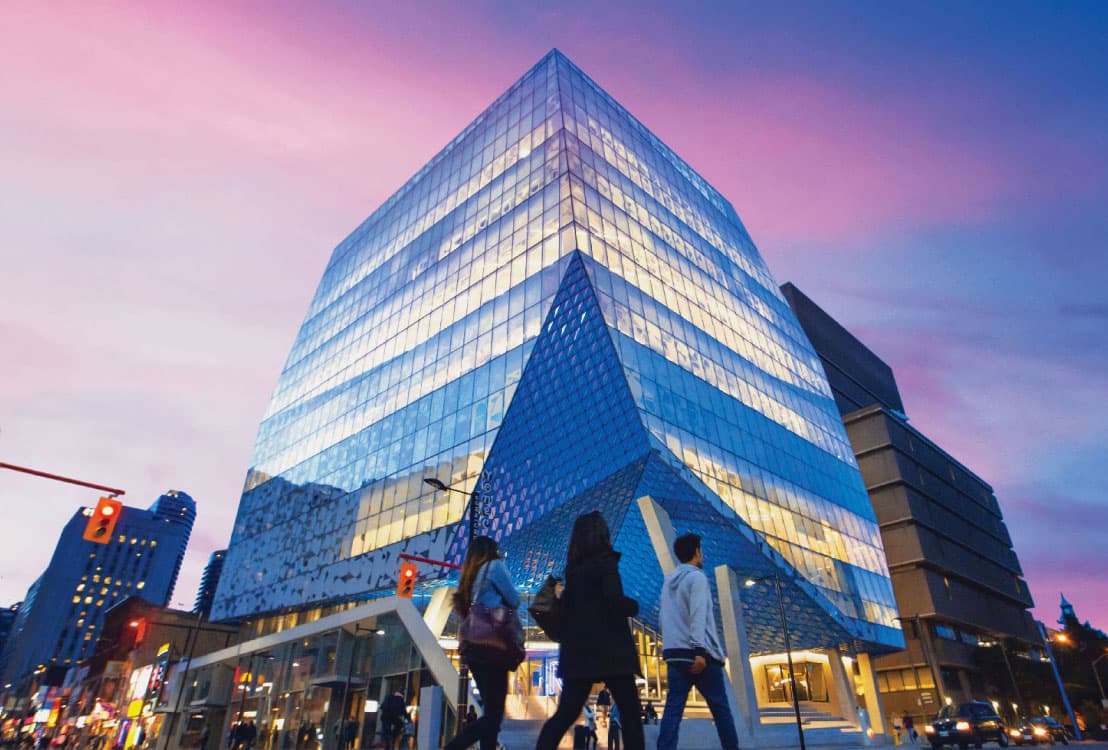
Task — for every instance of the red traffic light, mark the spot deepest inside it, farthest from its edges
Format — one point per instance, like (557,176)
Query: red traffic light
(102,522)
(405,586)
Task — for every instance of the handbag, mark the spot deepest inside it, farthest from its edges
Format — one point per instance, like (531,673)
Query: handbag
(491,635)
(546,609)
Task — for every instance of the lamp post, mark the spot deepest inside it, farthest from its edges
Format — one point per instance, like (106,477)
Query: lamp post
(346,699)
(476,521)
(250,673)
(788,648)
(1058,678)
(1012,675)
(190,647)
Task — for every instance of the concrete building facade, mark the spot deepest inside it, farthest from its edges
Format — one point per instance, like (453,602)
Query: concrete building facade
(958,583)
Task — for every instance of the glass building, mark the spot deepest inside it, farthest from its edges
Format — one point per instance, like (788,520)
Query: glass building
(558,313)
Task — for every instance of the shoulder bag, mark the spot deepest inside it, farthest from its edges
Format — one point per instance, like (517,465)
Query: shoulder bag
(491,635)
(546,609)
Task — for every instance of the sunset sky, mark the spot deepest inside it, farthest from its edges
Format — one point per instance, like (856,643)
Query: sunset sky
(173,177)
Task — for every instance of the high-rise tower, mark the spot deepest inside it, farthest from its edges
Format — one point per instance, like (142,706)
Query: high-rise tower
(209,582)
(63,612)
(559,312)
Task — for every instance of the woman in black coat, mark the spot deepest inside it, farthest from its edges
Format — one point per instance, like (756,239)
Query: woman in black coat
(596,639)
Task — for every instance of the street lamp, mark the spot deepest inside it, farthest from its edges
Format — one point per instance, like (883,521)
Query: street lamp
(346,698)
(1012,675)
(250,674)
(476,520)
(1058,677)
(183,666)
(477,510)
(788,647)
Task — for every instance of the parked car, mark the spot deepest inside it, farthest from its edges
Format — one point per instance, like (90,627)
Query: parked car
(973,723)
(1039,729)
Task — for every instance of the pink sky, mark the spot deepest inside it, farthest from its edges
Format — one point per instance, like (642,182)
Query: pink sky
(175,176)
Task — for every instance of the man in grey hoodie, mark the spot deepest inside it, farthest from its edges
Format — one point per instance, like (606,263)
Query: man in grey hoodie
(691,647)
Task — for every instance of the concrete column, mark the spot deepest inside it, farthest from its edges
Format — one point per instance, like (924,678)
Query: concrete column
(744,697)
(661,532)
(430,716)
(870,694)
(438,609)
(844,685)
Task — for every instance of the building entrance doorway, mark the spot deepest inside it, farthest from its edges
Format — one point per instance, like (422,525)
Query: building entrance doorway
(808,678)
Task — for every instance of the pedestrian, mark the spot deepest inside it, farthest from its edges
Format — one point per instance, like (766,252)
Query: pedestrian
(603,705)
(485,580)
(596,639)
(613,728)
(649,713)
(898,727)
(392,720)
(409,731)
(909,726)
(471,714)
(591,738)
(691,646)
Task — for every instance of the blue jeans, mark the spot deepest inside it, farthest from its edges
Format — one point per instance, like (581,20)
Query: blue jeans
(712,685)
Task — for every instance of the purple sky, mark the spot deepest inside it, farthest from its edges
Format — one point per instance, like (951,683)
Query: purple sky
(174,178)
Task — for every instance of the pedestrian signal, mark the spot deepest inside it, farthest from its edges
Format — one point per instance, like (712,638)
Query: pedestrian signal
(405,587)
(102,521)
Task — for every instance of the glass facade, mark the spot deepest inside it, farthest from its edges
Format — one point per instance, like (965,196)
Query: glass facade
(559,313)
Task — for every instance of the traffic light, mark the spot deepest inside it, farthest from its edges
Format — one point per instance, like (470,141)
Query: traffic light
(405,587)
(102,521)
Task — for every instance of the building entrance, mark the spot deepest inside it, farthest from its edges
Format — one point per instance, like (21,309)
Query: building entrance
(808,678)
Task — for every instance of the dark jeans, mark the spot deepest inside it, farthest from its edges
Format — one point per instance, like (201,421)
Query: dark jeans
(572,700)
(614,731)
(492,683)
(712,685)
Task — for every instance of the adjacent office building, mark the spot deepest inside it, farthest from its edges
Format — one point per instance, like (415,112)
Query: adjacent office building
(61,617)
(205,595)
(560,314)
(958,582)
(7,622)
